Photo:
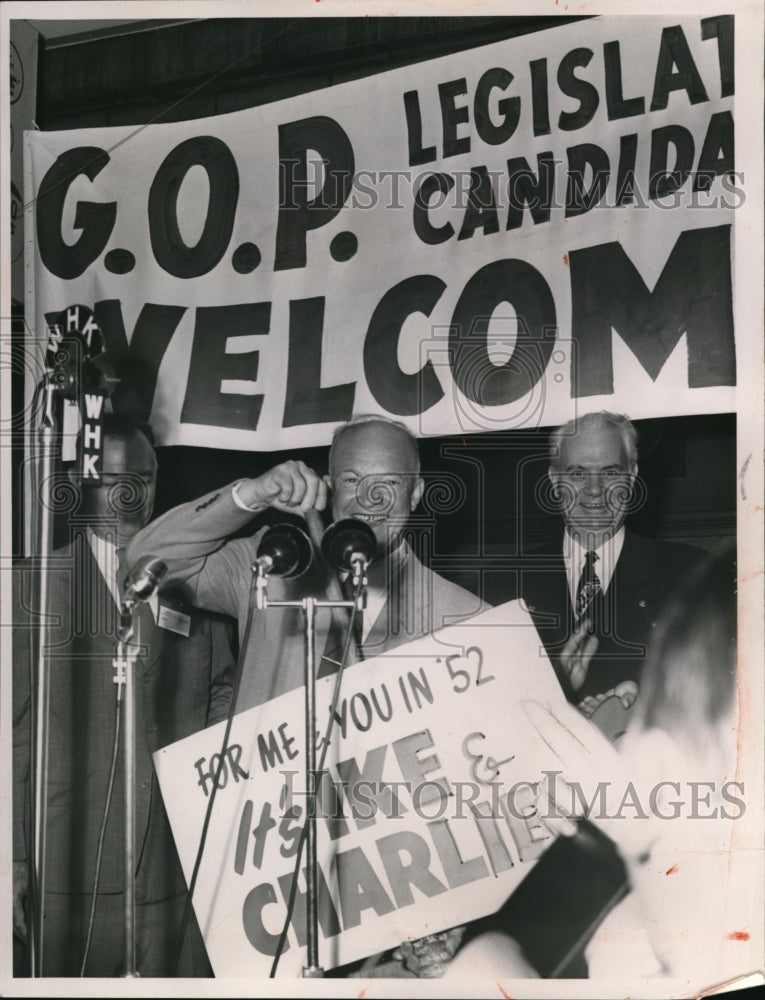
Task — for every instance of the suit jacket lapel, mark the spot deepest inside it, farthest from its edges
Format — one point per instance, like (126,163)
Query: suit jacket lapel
(545,589)
(398,615)
(100,616)
(94,613)
(634,564)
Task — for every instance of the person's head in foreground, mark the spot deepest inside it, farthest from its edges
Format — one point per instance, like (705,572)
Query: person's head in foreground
(689,883)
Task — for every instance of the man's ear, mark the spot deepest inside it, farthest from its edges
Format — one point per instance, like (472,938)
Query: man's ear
(419,488)
(327,512)
(552,474)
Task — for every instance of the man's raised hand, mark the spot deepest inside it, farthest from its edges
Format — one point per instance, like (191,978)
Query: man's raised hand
(576,654)
(291,487)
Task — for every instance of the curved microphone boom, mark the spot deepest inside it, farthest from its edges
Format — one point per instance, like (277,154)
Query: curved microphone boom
(349,545)
(285,550)
(144,580)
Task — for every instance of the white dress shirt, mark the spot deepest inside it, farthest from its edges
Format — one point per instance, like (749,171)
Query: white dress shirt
(105,553)
(376,597)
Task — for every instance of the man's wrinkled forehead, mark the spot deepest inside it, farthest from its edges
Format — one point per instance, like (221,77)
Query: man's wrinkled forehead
(375,447)
(597,444)
(130,454)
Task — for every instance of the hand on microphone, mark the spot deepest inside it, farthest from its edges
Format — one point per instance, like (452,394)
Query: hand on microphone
(291,487)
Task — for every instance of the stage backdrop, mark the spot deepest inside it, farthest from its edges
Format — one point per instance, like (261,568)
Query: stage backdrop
(493,239)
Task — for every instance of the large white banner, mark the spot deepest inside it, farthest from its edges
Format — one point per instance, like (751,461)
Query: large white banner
(483,241)
(426,817)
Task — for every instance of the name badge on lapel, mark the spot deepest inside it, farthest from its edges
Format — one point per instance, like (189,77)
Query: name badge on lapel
(174,620)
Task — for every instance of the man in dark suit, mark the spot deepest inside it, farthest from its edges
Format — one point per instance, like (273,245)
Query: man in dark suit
(182,684)
(596,595)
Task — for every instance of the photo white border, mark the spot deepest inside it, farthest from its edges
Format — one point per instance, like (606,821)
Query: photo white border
(748,313)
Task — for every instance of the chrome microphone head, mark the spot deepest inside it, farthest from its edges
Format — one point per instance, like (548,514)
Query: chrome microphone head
(346,543)
(144,579)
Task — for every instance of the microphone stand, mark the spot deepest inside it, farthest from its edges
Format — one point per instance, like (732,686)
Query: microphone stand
(74,343)
(40,680)
(124,677)
(140,590)
(312,969)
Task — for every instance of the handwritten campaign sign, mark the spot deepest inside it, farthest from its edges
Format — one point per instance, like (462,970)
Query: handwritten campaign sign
(530,223)
(425,810)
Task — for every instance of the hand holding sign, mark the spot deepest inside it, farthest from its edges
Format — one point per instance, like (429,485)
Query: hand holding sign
(428,957)
(593,781)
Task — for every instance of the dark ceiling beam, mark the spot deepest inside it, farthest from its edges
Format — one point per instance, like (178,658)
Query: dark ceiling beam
(196,68)
(61,34)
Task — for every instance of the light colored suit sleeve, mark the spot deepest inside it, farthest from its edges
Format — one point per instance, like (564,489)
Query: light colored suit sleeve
(192,539)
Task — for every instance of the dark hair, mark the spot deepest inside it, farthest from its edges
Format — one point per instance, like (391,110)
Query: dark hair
(689,681)
(122,425)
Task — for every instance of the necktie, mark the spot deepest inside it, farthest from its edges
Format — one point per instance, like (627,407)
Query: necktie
(589,586)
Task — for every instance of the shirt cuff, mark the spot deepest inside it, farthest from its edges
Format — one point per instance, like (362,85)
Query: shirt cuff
(238,500)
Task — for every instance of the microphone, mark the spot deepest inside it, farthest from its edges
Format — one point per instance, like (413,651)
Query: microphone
(284,550)
(72,375)
(75,355)
(349,545)
(98,376)
(142,581)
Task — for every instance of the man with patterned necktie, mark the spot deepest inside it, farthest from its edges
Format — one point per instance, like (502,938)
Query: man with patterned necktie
(596,599)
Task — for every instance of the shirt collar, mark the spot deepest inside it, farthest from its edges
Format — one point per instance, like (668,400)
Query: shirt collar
(608,553)
(105,553)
